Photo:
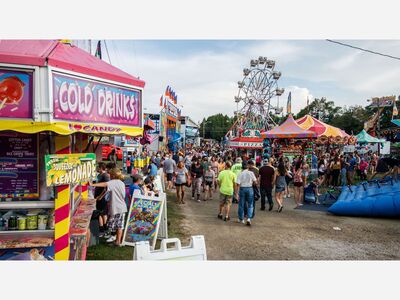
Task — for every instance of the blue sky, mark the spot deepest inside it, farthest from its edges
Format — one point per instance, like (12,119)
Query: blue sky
(204,74)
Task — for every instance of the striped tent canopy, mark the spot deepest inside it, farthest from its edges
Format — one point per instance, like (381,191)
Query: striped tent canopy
(320,128)
(325,133)
(288,130)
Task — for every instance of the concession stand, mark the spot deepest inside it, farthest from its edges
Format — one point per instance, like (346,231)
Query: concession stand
(290,140)
(55,98)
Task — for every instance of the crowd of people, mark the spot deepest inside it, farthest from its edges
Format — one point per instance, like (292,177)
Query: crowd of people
(237,179)
(240,179)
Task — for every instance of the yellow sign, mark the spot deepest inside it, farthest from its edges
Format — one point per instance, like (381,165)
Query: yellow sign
(66,169)
(65,128)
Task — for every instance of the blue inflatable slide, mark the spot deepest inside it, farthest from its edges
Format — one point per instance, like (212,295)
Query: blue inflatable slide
(377,198)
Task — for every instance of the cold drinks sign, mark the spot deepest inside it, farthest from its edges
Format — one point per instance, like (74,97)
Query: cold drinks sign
(83,100)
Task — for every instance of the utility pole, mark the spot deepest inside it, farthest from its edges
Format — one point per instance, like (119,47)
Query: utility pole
(379,120)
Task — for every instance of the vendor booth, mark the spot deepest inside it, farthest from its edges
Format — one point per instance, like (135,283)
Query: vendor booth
(290,139)
(54,98)
(366,142)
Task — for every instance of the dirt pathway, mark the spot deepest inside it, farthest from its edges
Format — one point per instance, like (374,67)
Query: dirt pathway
(291,235)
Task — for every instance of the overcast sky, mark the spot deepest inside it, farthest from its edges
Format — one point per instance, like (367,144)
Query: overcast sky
(204,74)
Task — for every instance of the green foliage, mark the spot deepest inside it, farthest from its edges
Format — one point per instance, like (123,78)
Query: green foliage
(351,119)
(215,126)
(321,109)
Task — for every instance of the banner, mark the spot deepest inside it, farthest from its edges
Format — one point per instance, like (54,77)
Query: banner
(78,99)
(65,169)
(382,101)
(251,145)
(172,111)
(19,168)
(16,97)
(156,119)
(143,220)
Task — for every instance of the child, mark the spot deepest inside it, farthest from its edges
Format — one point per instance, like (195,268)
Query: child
(363,169)
(136,185)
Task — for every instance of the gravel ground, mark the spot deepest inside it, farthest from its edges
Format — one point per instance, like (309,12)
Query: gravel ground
(290,235)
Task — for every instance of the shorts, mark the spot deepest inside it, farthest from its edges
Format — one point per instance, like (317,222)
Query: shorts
(169,176)
(298,184)
(225,199)
(116,222)
(208,183)
(279,189)
(321,173)
(180,184)
(101,206)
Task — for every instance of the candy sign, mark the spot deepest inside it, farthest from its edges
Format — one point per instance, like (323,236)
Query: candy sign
(65,169)
(78,99)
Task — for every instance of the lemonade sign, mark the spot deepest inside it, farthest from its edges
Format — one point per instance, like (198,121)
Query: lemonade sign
(65,169)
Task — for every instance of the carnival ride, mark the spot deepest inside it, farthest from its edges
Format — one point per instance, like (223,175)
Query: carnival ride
(255,108)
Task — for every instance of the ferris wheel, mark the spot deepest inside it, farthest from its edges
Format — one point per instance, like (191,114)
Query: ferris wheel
(258,90)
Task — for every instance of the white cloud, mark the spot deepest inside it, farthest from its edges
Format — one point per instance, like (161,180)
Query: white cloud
(299,98)
(205,81)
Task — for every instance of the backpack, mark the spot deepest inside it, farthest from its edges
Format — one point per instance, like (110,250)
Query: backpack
(298,176)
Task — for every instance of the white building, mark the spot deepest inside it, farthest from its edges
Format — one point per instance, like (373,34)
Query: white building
(190,131)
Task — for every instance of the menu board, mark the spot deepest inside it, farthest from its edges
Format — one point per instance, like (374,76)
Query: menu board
(143,220)
(19,166)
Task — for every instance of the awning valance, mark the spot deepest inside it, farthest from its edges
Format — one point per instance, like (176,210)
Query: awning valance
(65,128)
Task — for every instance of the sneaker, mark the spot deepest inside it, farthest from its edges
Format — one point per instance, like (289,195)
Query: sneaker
(107,236)
(192,197)
(240,221)
(102,234)
(227,218)
(248,223)
(220,217)
(198,200)
(111,239)
(288,196)
(271,207)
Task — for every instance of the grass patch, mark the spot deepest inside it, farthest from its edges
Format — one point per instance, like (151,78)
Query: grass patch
(103,251)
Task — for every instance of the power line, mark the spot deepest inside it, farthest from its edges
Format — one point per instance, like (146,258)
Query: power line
(365,50)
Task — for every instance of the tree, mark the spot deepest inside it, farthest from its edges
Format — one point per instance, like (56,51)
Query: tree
(215,126)
(350,119)
(321,109)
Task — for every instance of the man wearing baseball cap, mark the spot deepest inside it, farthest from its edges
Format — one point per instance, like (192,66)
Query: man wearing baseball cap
(267,180)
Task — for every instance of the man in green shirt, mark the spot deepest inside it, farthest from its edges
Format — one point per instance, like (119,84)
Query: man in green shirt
(237,169)
(226,180)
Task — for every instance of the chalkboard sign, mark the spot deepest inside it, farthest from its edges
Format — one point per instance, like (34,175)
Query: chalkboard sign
(19,166)
(143,219)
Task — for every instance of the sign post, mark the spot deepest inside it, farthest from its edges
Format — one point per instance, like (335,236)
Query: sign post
(143,220)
